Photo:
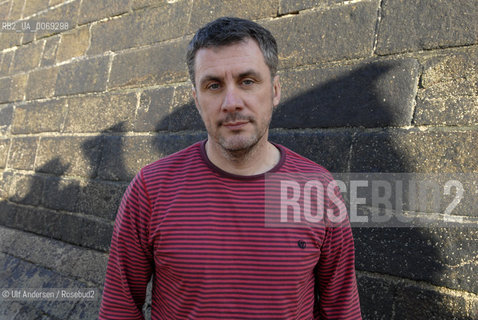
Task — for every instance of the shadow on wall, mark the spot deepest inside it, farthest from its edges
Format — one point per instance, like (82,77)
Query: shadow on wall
(360,103)
(350,99)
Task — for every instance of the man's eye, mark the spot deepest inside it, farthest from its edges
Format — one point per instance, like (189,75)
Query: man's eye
(247,82)
(213,86)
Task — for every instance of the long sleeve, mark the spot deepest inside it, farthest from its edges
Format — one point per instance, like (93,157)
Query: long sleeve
(335,272)
(130,263)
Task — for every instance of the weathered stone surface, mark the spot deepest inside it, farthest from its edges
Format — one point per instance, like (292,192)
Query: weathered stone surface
(76,156)
(10,39)
(92,10)
(66,259)
(5,88)
(93,233)
(27,57)
(381,298)
(61,194)
(49,52)
(100,199)
(3,68)
(73,43)
(108,112)
(413,301)
(450,66)
(41,83)
(316,36)
(28,275)
(22,153)
(164,63)
(448,94)
(373,94)
(460,258)
(55,2)
(82,76)
(6,115)
(138,4)
(3,182)
(11,310)
(329,149)
(441,256)
(35,117)
(286,6)
(13,88)
(473,303)
(447,111)
(153,110)
(184,115)
(7,183)
(67,12)
(140,28)
(376,297)
(7,239)
(75,229)
(18,87)
(7,59)
(4,10)
(427,24)
(167,144)
(34,6)
(25,189)
(90,265)
(17,9)
(28,36)
(7,218)
(123,157)
(204,11)
(24,274)
(413,150)
(4,146)
(86,309)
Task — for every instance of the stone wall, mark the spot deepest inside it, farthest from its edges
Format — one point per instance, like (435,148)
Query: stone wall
(368,86)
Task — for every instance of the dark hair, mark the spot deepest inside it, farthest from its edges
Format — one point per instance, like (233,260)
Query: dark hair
(229,30)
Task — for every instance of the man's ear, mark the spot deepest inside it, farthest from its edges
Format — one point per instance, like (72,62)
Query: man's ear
(276,91)
(193,89)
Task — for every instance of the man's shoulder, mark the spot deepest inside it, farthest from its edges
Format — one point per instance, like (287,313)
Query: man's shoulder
(301,168)
(301,162)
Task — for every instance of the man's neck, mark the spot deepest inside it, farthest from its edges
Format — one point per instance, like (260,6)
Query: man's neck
(261,158)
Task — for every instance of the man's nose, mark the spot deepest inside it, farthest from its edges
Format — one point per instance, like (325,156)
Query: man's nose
(232,100)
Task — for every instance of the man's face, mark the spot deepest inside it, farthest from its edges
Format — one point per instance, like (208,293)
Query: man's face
(234,94)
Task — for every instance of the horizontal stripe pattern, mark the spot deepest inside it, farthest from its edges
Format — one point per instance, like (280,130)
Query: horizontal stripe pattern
(201,234)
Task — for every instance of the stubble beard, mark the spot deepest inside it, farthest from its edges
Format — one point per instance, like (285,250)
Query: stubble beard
(239,146)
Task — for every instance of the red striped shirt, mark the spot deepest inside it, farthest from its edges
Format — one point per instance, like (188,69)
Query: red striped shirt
(201,233)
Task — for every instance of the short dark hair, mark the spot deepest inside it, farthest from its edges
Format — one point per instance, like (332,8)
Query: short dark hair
(230,30)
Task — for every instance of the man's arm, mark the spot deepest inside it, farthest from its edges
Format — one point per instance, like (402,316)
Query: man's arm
(130,263)
(336,282)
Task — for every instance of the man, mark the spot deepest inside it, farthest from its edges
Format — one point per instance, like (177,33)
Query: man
(195,221)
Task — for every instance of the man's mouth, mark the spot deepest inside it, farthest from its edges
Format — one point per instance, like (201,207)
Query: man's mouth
(235,125)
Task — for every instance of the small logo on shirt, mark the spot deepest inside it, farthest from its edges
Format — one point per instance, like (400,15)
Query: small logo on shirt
(301,244)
